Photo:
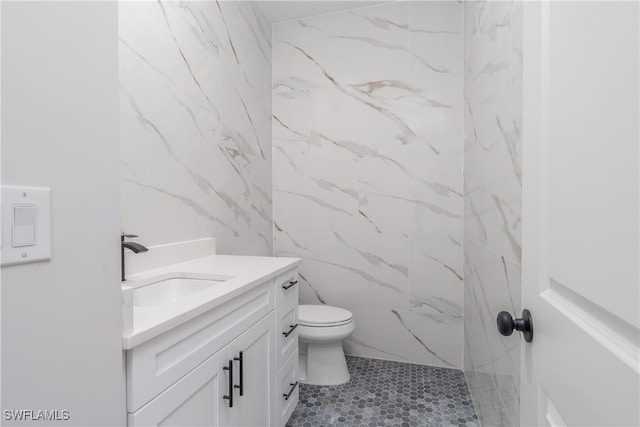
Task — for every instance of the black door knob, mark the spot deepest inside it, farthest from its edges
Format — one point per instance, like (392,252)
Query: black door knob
(506,324)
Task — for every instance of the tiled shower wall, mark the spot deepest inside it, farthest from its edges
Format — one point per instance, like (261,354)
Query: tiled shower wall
(367,131)
(195,123)
(493,204)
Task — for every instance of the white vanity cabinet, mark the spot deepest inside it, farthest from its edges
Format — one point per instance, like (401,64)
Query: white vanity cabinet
(225,367)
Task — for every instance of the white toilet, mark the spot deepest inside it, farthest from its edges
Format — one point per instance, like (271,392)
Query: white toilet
(321,330)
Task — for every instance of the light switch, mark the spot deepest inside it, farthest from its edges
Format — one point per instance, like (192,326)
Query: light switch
(24,225)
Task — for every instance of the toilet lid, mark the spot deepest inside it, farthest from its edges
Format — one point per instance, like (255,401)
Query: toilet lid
(323,315)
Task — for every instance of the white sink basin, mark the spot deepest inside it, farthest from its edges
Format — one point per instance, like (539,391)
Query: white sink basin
(171,291)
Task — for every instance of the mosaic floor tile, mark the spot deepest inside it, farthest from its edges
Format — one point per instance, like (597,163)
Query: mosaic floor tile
(385,393)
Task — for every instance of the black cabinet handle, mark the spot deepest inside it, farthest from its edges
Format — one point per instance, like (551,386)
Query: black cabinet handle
(241,386)
(293,387)
(291,283)
(290,331)
(229,397)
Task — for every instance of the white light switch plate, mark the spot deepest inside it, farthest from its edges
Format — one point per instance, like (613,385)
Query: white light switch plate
(26,238)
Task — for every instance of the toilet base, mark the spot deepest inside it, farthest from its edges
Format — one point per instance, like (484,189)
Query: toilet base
(324,364)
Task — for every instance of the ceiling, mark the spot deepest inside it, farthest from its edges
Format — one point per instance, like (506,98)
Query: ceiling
(280,11)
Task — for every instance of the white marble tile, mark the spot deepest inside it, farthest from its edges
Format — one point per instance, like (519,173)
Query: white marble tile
(493,284)
(169,68)
(367,156)
(319,51)
(488,59)
(360,269)
(492,204)
(166,180)
(355,119)
(435,274)
(475,182)
(437,52)
(403,213)
(406,336)
(436,18)
(491,411)
(253,244)
(502,210)
(249,35)
(315,180)
(314,195)
(195,96)
(261,196)
(291,118)
(246,124)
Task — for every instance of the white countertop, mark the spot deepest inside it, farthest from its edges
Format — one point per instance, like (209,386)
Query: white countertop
(145,323)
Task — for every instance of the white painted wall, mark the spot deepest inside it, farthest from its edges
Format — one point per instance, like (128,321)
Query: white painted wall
(61,333)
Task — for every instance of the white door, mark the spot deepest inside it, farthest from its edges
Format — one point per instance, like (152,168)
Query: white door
(581,213)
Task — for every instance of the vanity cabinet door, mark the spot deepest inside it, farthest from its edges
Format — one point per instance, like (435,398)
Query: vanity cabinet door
(254,375)
(194,400)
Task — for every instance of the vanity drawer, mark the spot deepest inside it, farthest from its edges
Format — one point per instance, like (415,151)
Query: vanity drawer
(287,286)
(158,363)
(286,330)
(287,393)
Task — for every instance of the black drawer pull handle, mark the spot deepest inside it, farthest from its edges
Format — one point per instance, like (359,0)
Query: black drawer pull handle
(291,283)
(229,397)
(293,387)
(290,331)
(241,386)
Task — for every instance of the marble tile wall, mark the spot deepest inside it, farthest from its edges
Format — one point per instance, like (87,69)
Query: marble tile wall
(367,138)
(195,123)
(492,204)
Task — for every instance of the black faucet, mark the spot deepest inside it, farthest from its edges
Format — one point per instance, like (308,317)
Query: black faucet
(132,246)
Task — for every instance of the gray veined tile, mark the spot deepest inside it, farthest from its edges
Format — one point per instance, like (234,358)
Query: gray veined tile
(291,114)
(436,277)
(173,87)
(406,336)
(162,78)
(405,214)
(348,198)
(246,125)
(249,36)
(261,196)
(322,52)
(499,206)
(493,285)
(259,244)
(169,171)
(293,242)
(414,172)
(300,210)
(352,268)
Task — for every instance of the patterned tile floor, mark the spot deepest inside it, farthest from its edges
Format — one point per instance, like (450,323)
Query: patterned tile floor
(384,393)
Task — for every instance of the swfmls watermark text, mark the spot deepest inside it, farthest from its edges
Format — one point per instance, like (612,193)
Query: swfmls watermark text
(36,415)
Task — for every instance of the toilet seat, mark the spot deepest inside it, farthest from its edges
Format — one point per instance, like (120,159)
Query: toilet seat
(323,316)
